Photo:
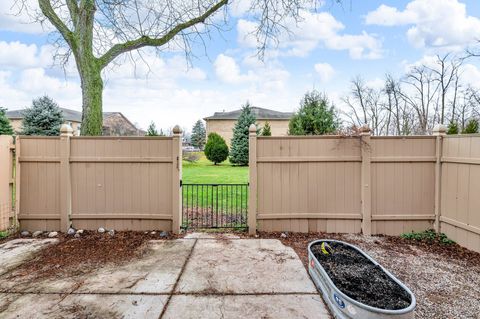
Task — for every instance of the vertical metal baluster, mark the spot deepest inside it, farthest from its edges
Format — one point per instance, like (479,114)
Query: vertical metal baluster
(183,210)
(247,194)
(226,206)
(222,204)
(246,205)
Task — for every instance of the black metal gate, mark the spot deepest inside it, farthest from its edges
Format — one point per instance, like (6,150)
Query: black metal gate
(214,205)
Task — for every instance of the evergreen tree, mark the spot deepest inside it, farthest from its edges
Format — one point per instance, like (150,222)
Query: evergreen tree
(216,150)
(239,148)
(471,127)
(452,128)
(316,116)
(198,135)
(5,126)
(43,118)
(267,130)
(152,130)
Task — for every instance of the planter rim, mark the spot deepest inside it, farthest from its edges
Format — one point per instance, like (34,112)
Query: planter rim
(410,308)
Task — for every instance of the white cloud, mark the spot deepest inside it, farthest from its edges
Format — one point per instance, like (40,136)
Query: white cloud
(325,71)
(471,74)
(31,55)
(16,20)
(437,24)
(314,30)
(227,70)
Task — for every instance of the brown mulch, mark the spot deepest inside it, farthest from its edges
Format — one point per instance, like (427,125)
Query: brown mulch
(444,278)
(93,250)
(299,242)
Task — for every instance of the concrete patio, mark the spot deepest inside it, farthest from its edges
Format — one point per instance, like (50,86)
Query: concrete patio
(200,276)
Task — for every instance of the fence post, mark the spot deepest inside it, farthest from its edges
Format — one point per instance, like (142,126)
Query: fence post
(5,182)
(66,132)
(366,191)
(176,179)
(17,180)
(439,131)
(252,196)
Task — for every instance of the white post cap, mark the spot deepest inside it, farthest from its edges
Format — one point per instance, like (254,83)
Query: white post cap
(439,129)
(66,130)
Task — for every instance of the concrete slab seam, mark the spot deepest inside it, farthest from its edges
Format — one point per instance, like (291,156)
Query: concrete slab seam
(164,310)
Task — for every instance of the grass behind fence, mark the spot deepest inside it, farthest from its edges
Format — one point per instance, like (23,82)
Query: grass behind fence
(231,198)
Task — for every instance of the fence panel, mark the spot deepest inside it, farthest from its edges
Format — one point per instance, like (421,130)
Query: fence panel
(124,183)
(6,181)
(403,184)
(121,183)
(460,200)
(309,184)
(38,170)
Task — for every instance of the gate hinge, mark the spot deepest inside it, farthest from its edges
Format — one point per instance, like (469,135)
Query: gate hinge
(181,183)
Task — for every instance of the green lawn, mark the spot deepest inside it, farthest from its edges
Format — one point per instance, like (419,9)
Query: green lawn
(228,201)
(204,172)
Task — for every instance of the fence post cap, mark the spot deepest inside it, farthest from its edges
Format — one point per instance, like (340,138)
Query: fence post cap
(177,130)
(66,130)
(252,129)
(365,130)
(439,129)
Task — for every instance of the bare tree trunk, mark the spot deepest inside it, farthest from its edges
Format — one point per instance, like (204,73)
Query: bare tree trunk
(92,88)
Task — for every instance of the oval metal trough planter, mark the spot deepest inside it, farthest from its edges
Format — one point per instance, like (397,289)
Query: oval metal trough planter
(344,307)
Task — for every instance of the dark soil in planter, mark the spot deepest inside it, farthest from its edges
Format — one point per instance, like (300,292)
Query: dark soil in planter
(360,279)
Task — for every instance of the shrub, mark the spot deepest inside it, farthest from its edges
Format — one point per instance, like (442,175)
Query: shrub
(43,118)
(471,127)
(452,128)
(190,157)
(5,126)
(428,236)
(316,116)
(198,135)
(216,150)
(267,130)
(239,151)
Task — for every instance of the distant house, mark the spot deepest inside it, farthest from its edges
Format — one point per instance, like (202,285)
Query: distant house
(114,123)
(222,123)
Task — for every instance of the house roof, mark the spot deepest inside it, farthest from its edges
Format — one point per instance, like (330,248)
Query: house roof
(68,115)
(260,114)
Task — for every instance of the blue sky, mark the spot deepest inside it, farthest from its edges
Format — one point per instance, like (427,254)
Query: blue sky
(327,49)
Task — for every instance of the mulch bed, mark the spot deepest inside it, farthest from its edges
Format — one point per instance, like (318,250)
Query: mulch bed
(93,250)
(443,278)
(360,279)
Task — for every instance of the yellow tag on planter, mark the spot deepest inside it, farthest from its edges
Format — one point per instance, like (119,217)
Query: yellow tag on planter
(326,249)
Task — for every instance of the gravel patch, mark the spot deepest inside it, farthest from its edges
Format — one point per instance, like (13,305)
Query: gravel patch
(444,278)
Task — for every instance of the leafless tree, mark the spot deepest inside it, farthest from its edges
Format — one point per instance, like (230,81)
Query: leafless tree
(445,74)
(422,96)
(97,32)
(400,119)
(366,107)
(468,106)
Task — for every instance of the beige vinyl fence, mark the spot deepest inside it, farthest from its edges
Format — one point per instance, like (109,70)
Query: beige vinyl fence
(124,183)
(460,190)
(6,182)
(374,185)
